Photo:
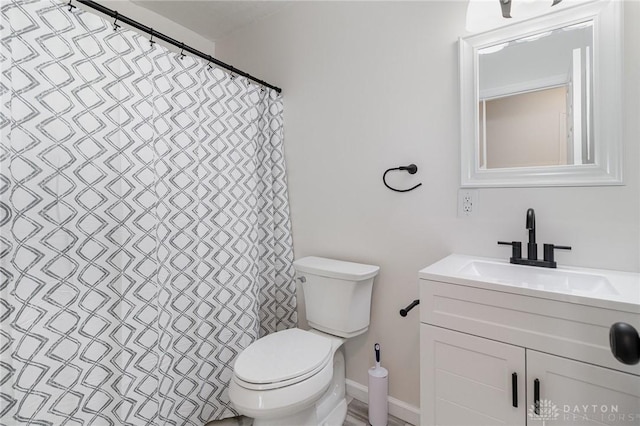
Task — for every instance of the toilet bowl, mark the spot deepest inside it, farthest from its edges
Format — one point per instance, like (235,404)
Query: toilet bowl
(300,379)
(297,377)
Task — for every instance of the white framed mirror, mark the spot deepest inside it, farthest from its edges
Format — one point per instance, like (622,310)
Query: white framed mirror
(541,100)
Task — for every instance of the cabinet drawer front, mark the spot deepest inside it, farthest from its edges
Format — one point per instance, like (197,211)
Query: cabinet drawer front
(566,329)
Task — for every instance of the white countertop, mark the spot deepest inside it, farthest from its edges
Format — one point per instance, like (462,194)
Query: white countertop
(621,291)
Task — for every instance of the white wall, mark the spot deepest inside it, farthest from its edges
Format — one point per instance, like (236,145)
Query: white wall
(373,85)
(157,22)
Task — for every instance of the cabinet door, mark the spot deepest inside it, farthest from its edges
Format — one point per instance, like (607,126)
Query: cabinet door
(575,393)
(468,380)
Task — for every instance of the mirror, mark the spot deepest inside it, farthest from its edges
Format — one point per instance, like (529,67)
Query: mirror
(541,100)
(534,99)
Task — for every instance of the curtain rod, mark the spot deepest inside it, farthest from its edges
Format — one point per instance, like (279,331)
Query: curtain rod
(135,24)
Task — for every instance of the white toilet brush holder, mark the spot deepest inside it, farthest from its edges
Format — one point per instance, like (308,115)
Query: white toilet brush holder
(378,391)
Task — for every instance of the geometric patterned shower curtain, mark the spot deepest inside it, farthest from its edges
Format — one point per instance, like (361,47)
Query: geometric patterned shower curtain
(144,224)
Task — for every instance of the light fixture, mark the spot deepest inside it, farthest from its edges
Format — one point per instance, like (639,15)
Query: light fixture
(483,15)
(505,6)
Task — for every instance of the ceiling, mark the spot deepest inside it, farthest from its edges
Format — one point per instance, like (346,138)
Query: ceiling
(212,19)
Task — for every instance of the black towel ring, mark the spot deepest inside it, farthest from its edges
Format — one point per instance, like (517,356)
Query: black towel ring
(411,169)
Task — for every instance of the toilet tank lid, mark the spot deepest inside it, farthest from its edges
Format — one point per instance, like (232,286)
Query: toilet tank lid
(335,268)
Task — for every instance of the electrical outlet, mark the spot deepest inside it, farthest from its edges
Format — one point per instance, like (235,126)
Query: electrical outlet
(467,202)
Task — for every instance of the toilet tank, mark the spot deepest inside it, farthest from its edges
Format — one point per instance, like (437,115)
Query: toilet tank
(337,294)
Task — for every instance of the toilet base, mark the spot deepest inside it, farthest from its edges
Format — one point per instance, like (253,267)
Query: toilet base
(309,417)
(337,415)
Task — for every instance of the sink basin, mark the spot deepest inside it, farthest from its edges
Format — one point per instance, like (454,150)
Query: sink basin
(600,288)
(554,280)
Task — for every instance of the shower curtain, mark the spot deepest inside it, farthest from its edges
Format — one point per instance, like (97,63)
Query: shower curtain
(144,224)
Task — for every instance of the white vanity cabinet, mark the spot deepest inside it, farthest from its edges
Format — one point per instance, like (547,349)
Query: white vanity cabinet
(484,346)
(473,381)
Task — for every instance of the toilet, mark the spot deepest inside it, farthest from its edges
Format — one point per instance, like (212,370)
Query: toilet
(297,377)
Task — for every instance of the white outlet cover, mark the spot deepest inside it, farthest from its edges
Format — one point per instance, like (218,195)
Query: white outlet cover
(467,202)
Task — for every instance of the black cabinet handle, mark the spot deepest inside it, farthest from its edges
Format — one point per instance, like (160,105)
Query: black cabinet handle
(514,389)
(625,343)
(536,396)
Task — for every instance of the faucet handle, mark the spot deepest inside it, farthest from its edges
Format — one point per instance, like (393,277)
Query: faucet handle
(549,252)
(516,248)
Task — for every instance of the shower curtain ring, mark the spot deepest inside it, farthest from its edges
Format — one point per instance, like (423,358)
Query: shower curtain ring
(151,40)
(182,55)
(71,7)
(115,22)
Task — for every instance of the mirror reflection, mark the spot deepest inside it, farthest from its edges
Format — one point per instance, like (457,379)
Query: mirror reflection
(535,100)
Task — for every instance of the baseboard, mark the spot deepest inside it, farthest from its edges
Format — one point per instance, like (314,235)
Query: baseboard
(400,409)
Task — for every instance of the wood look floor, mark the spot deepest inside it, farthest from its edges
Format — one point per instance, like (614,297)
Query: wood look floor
(357,415)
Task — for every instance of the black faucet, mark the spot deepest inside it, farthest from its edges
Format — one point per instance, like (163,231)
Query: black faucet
(532,247)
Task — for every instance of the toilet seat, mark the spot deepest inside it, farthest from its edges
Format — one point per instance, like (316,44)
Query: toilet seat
(282,359)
